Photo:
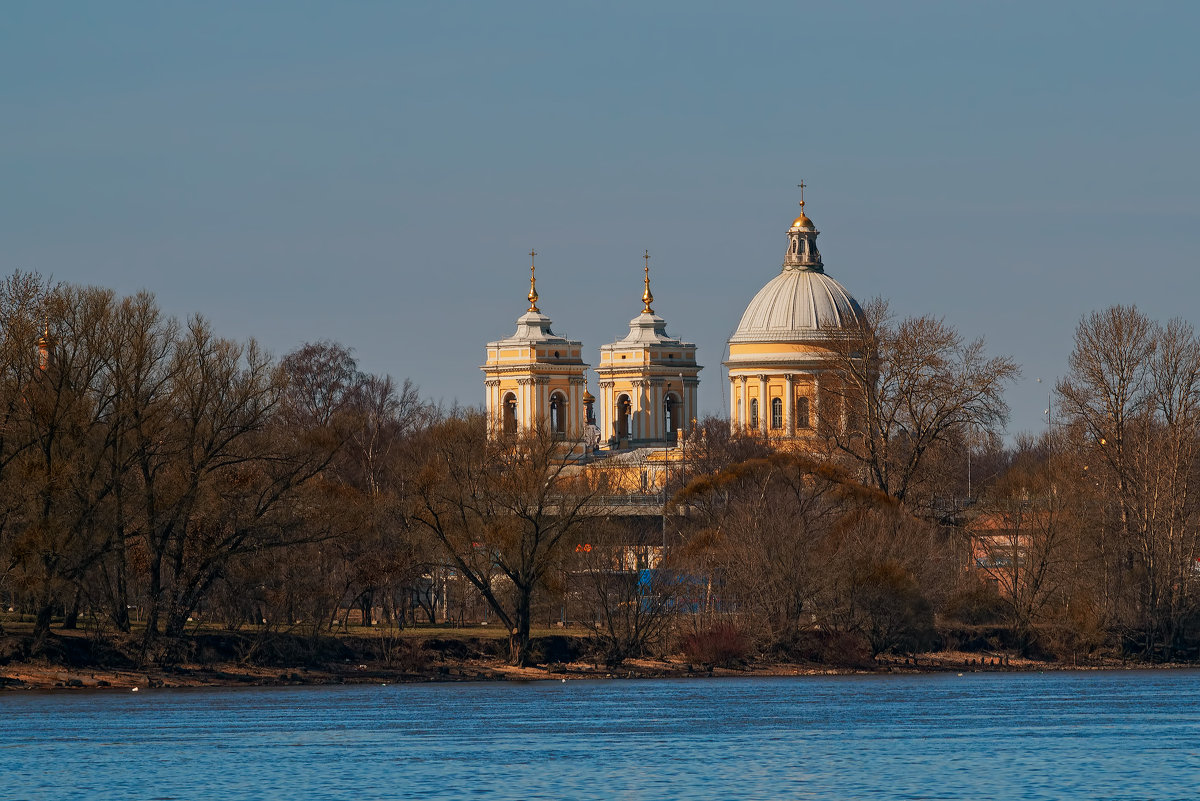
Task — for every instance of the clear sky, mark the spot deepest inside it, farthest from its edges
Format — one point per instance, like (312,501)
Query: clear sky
(375,173)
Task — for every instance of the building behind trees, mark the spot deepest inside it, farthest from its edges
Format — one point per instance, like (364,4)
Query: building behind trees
(156,479)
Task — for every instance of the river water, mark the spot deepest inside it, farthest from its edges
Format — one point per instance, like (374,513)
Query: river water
(1088,735)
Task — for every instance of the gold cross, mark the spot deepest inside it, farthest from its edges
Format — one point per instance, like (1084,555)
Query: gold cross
(533,295)
(647,298)
(802,185)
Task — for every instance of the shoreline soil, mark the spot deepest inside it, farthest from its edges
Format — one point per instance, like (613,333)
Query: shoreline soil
(77,661)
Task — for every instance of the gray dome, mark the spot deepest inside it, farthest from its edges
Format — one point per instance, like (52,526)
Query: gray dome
(797,305)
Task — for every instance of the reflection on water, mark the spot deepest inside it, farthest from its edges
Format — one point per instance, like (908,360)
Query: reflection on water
(1119,735)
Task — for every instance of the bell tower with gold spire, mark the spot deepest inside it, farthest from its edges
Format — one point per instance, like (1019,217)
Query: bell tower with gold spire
(647,381)
(534,379)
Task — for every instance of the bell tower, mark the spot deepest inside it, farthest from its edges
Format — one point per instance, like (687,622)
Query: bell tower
(534,379)
(648,381)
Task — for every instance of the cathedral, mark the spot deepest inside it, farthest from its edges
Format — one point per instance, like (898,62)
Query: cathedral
(785,372)
(785,380)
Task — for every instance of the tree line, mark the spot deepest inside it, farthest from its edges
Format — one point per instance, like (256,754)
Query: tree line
(155,476)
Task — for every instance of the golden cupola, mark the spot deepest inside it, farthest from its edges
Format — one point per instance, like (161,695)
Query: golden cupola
(648,380)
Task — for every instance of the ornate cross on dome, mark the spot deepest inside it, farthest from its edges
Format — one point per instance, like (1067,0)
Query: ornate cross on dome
(647,298)
(533,295)
(801,185)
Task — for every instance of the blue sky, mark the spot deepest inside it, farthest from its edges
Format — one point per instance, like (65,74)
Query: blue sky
(375,173)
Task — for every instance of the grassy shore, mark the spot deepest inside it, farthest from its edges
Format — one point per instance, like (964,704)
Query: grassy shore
(79,659)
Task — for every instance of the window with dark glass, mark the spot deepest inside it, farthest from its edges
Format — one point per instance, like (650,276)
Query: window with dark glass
(510,414)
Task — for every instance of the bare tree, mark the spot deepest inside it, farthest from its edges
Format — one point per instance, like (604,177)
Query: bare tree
(905,388)
(627,590)
(1132,402)
(766,530)
(502,509)
(70,420)
(228,474)
(887,571)
(1027,534)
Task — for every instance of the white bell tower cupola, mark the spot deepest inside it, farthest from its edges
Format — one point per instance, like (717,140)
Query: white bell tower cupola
(534,379)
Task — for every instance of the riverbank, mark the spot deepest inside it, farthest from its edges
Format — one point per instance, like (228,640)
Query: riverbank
(77,660)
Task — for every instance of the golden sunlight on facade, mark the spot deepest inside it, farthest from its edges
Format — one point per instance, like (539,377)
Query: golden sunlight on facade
(535,378)
(787,362)
(648,382)
(785,376)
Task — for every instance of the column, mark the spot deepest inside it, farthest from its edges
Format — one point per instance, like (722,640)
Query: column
(648,418)
(523,403)
(607,415)
(657,396)
(764,408)
(489,407)
(495,406)
(815,405)
(535,397)
(530,414)
(789,401)
(639,410)
(691,407)
(580,412)
(743,421)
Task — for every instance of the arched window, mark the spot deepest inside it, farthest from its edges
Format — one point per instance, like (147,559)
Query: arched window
(510,414)
(776,412)
(671,414)
(802,412)
(558,415)
(754,412)
(624,409)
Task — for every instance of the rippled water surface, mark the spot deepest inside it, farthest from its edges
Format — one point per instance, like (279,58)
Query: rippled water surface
(1119,735)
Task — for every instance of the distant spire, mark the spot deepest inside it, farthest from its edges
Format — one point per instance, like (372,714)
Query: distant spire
(647,298)
(533,295)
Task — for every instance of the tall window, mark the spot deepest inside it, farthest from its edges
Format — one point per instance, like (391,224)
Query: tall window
(510,414)
(624,407)
(776,412)
(558,415)
(802,412)
(671,414)
(754,412)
